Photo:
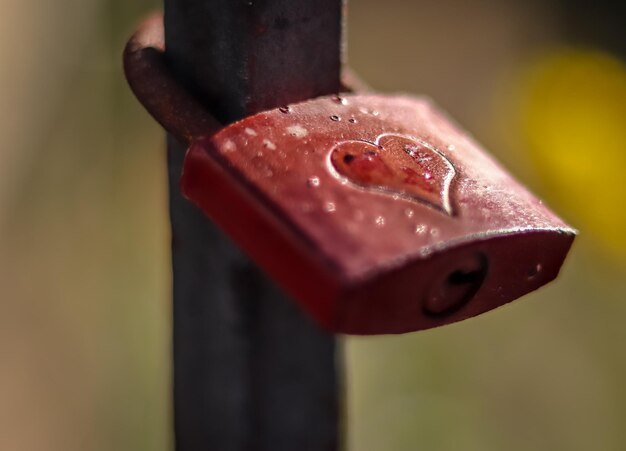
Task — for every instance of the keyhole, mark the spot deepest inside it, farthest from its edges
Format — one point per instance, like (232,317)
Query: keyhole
(457,288)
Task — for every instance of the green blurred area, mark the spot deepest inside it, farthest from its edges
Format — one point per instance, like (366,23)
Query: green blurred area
(84,237)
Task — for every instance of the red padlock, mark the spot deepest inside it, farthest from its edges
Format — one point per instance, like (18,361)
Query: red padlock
(376,213)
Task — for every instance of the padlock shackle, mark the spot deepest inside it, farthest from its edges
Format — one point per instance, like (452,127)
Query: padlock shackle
(167,101)
(158,90)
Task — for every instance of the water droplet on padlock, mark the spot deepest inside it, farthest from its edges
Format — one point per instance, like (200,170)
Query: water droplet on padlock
(269,144)
(297,130)
(330,207)
(410,149)
(285,109)
(229,146)
(380,221)
(420,229)
(352,120)
(426,252)
(340,100)
(314,182)
(335,118)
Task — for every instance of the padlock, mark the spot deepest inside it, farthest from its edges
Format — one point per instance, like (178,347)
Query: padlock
(376,213)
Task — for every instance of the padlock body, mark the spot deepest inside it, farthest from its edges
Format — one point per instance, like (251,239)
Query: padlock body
(376,213)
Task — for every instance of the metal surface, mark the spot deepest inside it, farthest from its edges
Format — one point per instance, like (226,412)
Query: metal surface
(251,372)
(376,212)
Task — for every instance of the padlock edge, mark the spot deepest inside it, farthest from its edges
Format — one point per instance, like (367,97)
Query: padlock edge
(553,244)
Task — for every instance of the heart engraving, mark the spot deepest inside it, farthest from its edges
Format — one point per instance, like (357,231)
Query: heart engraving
(397,165)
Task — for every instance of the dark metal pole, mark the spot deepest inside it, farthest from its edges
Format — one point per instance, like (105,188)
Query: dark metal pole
(251,372)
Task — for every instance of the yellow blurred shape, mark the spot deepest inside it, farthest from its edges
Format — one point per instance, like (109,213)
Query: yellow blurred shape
(574,119)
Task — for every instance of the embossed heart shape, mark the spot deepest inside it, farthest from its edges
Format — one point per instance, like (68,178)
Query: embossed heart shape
(397,165)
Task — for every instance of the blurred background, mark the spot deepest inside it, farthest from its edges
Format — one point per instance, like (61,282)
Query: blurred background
(84,237)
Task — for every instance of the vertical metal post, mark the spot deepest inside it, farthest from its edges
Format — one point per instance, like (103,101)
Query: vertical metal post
(251,372)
